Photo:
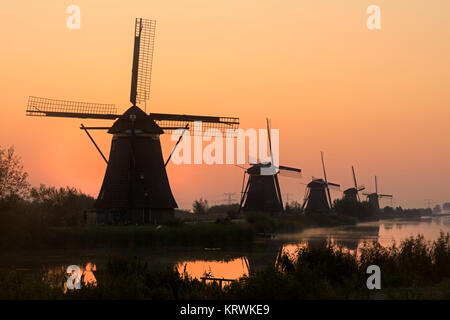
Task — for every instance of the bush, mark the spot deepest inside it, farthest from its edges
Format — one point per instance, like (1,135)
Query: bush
(261,221)
(175,222)
(225,220)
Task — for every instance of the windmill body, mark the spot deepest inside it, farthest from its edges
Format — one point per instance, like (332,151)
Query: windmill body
(135,187)
(262,192)
(135,182)
(317,199)
(317,194)
(374,198)
(352,194)
(374,201)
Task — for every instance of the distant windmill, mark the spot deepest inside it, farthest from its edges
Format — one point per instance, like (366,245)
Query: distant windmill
(374,197)
(353,193)
(135,186)
(317,195)
(262,191)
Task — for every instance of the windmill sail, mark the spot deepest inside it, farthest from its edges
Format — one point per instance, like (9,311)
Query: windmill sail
(289,172)
(353,193)
(144,40)
(270,141)
(170,122)
(44,107)
(333,185)
(354,178)
(325,177)
(376,185)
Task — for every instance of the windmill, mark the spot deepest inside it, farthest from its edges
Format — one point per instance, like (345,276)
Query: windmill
(374,197)
(353,193)
(262,191)
(135,187)
(317,194)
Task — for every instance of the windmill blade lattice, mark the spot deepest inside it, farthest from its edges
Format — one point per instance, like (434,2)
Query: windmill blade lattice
(289,172)
(334,186)
(44,107)
(227,126)
(144,41)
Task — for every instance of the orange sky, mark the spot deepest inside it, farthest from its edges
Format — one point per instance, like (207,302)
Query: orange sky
(376,99)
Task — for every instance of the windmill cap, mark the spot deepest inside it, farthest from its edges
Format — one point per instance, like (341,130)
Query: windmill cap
(256,168)
(135,118)
(350,191)
(316,183)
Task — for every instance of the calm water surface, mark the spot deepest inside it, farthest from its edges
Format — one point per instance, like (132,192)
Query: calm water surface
(232,264)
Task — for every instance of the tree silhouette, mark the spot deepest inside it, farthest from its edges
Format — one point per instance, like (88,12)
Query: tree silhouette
(61,206)
(13,178)
(200,206)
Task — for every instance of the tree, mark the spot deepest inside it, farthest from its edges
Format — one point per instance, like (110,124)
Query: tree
(293,207)
(13,178)
(60,206)
(200,206)
(350,208)
(437,209)
(446,206)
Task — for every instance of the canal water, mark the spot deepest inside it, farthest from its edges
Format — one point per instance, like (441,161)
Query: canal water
(231,263)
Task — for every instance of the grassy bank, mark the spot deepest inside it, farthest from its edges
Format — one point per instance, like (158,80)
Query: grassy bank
(202,234)
(28,231)
(414,270)
(33,233)
(289,223)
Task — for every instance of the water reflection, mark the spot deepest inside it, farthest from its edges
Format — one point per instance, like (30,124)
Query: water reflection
(353,238)
(348,238)
(429,227)
(231,269)
(88,275)
(60,275)
(233,264)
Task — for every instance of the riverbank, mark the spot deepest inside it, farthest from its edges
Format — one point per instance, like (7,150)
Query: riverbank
(221,232)
(96,236)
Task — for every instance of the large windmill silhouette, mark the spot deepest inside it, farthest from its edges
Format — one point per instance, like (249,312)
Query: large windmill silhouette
(135,187)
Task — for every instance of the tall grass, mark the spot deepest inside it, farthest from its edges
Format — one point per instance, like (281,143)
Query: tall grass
(414,261)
